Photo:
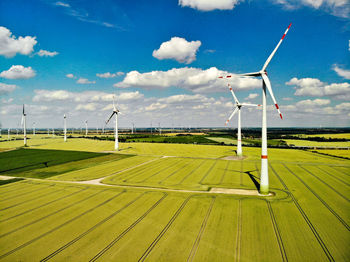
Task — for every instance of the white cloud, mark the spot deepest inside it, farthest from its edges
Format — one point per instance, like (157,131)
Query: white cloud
(110,75)
(43,95)
(342,72)
(155,106)
(179,49)
(87,107)
(314,87)
(209,5)
(287,98)
(6,89)
(62,4)
(313,103)
(194,79)
(70,76)
(18,72)
(251,96)
(84,81)
(47,53)
(10,46)
(339,8)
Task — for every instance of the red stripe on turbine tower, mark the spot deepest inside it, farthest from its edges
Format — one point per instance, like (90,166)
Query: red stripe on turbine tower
(277,106)
(228,76)
(281,116)
(263,157)
(283,36)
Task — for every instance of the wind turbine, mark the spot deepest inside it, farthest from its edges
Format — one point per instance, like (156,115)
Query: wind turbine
(65,127)
(238,109)
(115,112)
(33,128)
(264,176)
(8,133)
(86,128)
(24,127)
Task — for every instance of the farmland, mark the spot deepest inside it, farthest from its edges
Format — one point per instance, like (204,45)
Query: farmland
(153,202)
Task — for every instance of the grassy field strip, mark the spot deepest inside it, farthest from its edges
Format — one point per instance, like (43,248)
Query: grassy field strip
(13,245)
(257,230)
(215,174)
(131,246)
(102,170)
(334,152)
(335,175)
(318,218)
(59,193)
(222,227)
(18,189)
(181,168)
(39,216)
(343,170)
(38,194)
(176,241)
(101,231)
(331,199)
(176,175)
(315,143)
(71,166)
(329,181)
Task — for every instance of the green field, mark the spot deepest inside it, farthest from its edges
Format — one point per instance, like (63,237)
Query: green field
(316,144)
(159,208)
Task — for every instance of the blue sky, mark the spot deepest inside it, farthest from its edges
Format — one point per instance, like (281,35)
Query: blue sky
(163,59)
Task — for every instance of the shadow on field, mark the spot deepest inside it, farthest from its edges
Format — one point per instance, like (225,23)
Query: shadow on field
(254,179)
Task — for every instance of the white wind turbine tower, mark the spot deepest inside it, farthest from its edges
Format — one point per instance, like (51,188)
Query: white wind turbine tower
(86,128)
(65,127)
(264,176)
(8,133)
(24,127)
(33,128)
(116,112)
(238,109)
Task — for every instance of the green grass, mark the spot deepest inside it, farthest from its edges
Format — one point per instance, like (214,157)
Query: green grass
(307,220)
(334,152)
(316,144)
(16,162)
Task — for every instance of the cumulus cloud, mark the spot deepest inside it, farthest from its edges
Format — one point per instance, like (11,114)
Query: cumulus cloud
(110,75)
(194,79)
(6,89)
(339,8)
(70,76)
(10,46)
(18,72)
(342,72)
(47,53)
(43,95)
(62,4)
(85,81)
(251,96)
(179,49)
(87,107)
(315,87)
(209,5)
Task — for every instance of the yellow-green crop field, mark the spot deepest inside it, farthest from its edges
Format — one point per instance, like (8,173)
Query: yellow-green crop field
(342,135)
(316,144)
(153,202)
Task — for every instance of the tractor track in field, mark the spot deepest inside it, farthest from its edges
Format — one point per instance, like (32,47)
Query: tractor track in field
(277,231)
(225,171)
(340,171)
(48,203)
(207,173)
(334,190)
(59,226)
(3,187)
(337,178)
(32,199)
(19,195)
(201,230)
(306,219)
(239,231)
(173,173)
(319,198)
(121,235)
(165,229)
(62,248)
(145,179)
(189,174)
(140,172)
(51,214)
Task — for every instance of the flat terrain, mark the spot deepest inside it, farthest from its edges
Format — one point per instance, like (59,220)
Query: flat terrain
(155,204)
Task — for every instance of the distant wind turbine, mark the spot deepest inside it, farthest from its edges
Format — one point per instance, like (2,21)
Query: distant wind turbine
(24,127)
(115,112)
(264,176)
(86,128)
(238,109)
(33,128)
(65,127)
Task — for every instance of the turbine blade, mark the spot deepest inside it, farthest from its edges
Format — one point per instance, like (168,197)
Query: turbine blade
(23,109)
(274,51)
(268,85)
(110,118)
(233,113)
(114,104)
(247,104)
(233,94)
(250,74)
